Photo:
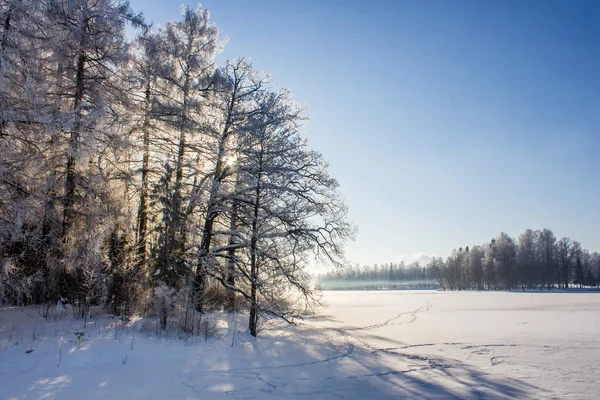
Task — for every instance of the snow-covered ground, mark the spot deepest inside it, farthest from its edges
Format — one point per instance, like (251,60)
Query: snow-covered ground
(363,345)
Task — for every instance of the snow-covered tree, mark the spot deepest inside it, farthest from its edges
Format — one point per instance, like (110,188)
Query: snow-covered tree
(566,252)
(186,50)
(526,258)
(287,209)
(546,249)
(237,86)
(476,258)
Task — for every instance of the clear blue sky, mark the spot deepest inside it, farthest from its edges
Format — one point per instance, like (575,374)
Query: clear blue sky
(445,122)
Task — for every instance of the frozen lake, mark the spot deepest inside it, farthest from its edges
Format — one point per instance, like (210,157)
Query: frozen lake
(474,344)
(362,345)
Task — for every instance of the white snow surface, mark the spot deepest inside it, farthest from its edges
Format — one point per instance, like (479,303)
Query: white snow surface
(361,345)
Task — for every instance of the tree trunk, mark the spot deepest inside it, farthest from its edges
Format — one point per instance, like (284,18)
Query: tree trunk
(4,123)
(174,242)
(70,181)
(143,209)
(212,209)
(230,305)
(253,323)
(207,233)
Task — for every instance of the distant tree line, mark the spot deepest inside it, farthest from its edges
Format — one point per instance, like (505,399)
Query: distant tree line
(139,172)
(535,260)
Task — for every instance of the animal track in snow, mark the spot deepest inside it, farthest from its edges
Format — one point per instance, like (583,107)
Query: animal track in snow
(412,314)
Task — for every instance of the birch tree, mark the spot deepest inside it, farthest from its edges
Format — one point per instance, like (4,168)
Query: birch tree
(526,257)
(289,210)
(546,245)
(238,85)
(566,252)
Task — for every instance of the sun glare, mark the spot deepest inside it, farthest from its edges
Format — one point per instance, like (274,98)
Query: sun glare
(231,161)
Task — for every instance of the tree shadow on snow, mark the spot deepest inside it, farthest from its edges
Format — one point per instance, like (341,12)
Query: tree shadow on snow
(303,362)
(329,364)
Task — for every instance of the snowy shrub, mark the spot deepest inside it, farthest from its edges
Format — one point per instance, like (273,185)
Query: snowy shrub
(208,329)
(162,303)
(148,326)
(15,287)
(63,310)
(215,297)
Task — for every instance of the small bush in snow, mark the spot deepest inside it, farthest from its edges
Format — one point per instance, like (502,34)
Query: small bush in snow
(162,303)
(209,329)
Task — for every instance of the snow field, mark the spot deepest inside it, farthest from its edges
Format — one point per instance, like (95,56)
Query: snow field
(362,345)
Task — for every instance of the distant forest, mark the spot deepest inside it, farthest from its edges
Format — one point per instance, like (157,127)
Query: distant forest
(535,260)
